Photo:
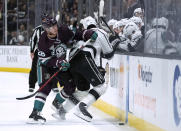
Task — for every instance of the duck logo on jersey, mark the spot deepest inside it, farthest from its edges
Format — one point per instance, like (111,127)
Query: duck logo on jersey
(177,95)
(60,51)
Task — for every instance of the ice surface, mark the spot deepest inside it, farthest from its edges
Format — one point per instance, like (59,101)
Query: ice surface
(14,113)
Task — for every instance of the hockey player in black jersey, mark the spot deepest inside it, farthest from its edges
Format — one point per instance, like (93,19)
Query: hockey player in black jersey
(51,56)
(86,69)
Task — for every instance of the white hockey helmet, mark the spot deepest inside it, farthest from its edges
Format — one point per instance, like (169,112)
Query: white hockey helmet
(130,29)
(160,22)
(136,20)
(111,22)
(121,23)
(89,21)
(118,24)
(137,10)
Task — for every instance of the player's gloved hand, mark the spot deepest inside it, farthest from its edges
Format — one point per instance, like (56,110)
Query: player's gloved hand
(102,71)
(63,64)
(130,48)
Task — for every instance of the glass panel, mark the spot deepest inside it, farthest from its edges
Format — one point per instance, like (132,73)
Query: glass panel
(1,21)
(163,27)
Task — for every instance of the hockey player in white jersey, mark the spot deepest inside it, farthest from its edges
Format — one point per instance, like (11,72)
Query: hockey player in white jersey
(137,20)
(158,38)
(138,12)
(111,23)
(86,69)
(133,34)
(129,33)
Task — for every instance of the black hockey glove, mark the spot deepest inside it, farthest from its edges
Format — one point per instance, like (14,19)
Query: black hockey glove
(102,71)
(130,48)
(114,40)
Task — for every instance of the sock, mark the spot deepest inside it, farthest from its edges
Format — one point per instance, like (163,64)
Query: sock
(89,99)
(79,95)
(38,105)
(59,98)
(40,100)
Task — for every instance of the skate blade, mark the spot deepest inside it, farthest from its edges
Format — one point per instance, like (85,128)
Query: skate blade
(32,121)
(80,115)
(56,116)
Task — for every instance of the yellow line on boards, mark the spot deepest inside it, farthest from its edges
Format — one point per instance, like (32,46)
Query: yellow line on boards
(21,70)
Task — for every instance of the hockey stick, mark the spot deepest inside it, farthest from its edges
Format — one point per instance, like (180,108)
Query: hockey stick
(102,18)
(29,96)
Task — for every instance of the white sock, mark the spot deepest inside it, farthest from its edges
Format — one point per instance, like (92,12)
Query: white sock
(89,100)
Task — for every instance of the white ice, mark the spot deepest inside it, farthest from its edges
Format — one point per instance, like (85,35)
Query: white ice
(14,114)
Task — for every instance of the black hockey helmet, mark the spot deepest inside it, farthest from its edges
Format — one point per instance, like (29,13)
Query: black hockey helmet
(44,15)
(49,22)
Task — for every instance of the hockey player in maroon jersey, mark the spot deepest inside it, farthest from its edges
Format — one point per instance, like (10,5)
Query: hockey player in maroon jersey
(52,49)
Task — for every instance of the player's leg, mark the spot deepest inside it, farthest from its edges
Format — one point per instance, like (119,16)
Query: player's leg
(40,98)
(95,76)
(82,90)
(33,73)
(65,80)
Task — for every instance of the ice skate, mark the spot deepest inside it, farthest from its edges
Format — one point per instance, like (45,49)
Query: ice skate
(31,90)
(82,112)
(36,118)
(60,115)
(56,105)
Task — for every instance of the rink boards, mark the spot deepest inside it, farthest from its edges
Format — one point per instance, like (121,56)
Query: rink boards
(143,91)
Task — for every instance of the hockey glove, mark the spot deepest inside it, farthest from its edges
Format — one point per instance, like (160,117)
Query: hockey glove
(130,48)
(63,64)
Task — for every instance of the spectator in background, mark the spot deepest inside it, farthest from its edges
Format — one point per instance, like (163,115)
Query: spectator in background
(1,9)
(13,40)
(70,5)
(12,6)
(23,31)
(21,40)
(22,11)
(131,5)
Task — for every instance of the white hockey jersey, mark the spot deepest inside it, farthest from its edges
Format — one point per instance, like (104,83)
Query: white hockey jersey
(101,44)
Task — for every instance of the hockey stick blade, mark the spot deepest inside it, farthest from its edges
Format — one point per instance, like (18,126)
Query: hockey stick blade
(26,97)
(29,96)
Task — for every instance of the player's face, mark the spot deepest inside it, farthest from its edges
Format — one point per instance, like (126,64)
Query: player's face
(139,15)
(52,31)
